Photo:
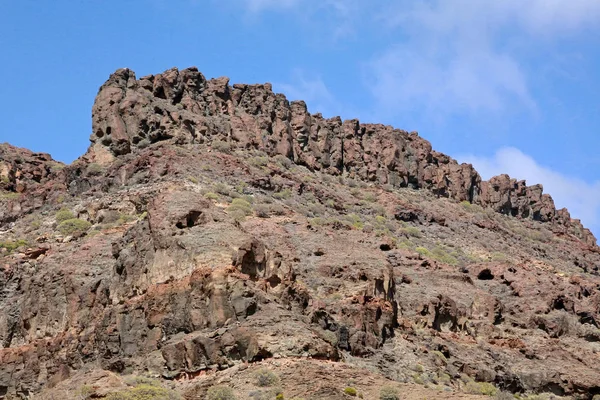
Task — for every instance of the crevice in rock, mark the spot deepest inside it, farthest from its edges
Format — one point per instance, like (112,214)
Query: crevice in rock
(190,220)
(485,275)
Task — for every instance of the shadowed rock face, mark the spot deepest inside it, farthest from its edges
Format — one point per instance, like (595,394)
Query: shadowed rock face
(355,242)
(184,107)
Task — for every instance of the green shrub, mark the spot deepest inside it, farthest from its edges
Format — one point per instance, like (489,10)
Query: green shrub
(318,221)
(193,179)
(351,182)
(220,146)
(355,221)
(94,169)
(279,396)
(389,393)
(442,255)
(13,245)
(443,377)
(499,257)
(73,226)
(423,251)
(262,210)
(380,221)
(350,391)
(145,392)
(316,209)
(125,218)
(370,197)
(55,166)
(277,209)
(141,380)
(484,388)
(466,205)
(418,379)
(240,205)
(284,161)
(11,196)
(241,187)
(63,215)
(258,161)
(356,193)
(85,392)
(222,189)
(220,393)
(211,196)
(284,194)
(440,355)
(265,378)
(412,231)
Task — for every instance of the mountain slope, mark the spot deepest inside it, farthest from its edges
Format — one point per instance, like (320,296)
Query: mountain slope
(210,226)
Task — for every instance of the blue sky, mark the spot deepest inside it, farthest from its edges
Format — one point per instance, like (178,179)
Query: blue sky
(511,86)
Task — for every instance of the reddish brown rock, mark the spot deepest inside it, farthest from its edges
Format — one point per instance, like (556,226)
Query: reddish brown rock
(335,264)
(184,107)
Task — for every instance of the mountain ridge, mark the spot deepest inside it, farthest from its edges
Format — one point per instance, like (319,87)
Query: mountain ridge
(254,117)
(214,231)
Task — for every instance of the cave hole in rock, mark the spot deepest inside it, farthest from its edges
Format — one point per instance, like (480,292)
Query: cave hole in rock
(252,308)
(3,390)
(485,275)
(442,348)
(274,281)
(160,93)
(108,130)
(385,247)
(177,97)
(190,220)
(587,318)
(262,355)
(559,303)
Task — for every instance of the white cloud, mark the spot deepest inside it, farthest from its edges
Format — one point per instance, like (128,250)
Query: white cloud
(338,17)
(580,197)
(468,56)
(406,77)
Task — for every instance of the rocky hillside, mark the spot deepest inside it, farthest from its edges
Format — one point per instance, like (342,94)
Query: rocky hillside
(219,238)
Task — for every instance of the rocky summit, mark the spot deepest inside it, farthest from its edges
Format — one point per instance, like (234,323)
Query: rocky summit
(219,242)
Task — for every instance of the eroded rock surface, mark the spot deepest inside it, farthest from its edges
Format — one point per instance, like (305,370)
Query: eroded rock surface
(185,107)
(222,227)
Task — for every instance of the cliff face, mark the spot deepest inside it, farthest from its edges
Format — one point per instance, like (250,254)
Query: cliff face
(212,231)
(184,107)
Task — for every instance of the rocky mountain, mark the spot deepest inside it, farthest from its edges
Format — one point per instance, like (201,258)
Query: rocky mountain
(220,239)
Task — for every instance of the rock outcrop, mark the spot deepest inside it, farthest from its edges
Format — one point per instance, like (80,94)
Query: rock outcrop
(185,107)
(214,229)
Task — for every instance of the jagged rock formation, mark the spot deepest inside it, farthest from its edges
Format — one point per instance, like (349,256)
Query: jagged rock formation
(184,107)
(225,227)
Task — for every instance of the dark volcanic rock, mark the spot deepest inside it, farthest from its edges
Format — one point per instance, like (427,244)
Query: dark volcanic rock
(229,227)
(184,107)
